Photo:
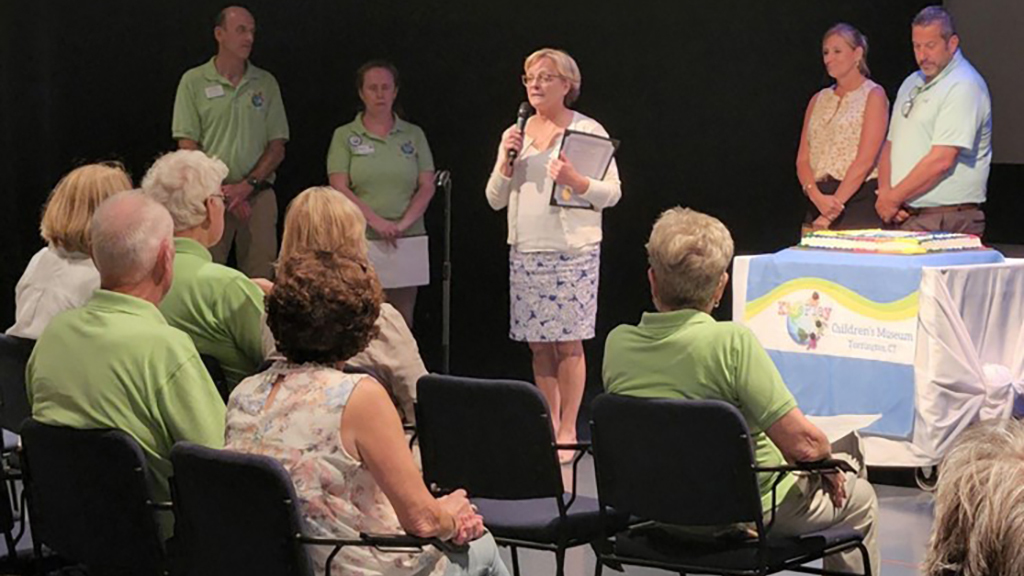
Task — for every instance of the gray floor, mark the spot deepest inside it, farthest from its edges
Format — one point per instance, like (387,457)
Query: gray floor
(904,526)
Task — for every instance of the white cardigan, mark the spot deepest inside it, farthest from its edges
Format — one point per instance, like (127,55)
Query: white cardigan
(579,228)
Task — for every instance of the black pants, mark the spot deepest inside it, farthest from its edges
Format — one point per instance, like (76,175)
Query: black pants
(860,208)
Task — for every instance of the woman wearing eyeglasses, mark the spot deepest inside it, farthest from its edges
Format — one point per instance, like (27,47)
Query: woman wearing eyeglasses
(383,164)
(554,256)
(844,128)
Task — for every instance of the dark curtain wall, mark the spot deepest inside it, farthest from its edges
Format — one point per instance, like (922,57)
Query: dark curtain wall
(707,98)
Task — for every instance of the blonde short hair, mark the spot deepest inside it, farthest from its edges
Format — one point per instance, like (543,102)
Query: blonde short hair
(69,209)
(979,503)
(688,252)
(182,181)
(564,65)
(321,218)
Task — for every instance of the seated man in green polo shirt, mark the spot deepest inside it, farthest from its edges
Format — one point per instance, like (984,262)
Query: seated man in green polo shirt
(681,352)
(219,307)
(115,363)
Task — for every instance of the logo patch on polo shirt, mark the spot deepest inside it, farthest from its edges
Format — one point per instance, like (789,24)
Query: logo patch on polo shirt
(257,100)
(355,140)
(408,149)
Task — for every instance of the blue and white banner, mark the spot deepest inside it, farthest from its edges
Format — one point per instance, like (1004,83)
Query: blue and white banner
(842,328)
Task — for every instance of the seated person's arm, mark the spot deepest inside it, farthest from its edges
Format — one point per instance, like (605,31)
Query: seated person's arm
(799,439)
(372,432)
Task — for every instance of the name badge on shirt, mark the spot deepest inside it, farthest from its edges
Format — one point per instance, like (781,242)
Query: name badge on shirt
(363,149)
(215,91)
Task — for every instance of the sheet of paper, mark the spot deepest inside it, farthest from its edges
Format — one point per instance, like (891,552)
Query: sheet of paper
(407,264)
(836,427)
(590,155)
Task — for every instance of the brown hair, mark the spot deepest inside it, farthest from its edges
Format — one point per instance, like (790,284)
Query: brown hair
(324,306)
(69,209)
(854,39)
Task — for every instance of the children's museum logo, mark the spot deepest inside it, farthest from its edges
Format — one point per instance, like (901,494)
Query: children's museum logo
(806,320)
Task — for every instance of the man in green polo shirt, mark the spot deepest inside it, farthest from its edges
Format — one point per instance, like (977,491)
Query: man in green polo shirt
(115,363)
(233,111)
(219,307)
(681,352)
(933,170)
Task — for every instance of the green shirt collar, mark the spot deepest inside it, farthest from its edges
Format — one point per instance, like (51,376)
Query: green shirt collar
(109,301)
(674,319)
(192,248)
(210,72)
(400,126)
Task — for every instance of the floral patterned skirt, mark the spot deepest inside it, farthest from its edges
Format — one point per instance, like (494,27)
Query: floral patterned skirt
(553,295)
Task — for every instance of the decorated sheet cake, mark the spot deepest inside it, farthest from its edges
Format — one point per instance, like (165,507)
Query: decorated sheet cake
(890,241)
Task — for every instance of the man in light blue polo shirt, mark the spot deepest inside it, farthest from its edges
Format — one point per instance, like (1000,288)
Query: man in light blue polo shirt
(233,111)
(934,167)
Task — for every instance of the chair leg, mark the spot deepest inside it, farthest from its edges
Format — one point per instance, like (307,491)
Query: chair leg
(515,560)
(560,561)
(866,559)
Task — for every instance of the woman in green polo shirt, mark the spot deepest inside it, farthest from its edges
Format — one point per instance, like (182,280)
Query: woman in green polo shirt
(383,164)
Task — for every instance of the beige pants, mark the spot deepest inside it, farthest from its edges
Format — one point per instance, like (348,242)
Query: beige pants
(807,508)
(255,239)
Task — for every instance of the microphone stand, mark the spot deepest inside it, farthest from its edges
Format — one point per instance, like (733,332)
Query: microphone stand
(444,181)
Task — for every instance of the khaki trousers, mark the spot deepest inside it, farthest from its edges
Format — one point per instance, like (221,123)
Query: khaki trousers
(971,221)
(255,239)
(807,508)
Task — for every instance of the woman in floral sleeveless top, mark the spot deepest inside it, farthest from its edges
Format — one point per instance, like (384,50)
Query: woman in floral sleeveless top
(339,436)
(844,128)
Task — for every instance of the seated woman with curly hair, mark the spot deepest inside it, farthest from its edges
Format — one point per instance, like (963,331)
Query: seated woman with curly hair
(339,435)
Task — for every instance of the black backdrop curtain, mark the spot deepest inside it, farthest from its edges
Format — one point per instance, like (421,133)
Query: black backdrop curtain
(707,98)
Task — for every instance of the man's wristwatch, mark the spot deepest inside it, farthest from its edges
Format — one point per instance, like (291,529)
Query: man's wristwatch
(256,184)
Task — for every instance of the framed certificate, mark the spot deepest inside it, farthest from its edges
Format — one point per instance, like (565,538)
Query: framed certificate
(591,155)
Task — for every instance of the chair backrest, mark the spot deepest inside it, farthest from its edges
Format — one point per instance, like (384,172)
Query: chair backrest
(14,408)
(235,514)
(216,372)
(491,437)
(674,461)
(89,499)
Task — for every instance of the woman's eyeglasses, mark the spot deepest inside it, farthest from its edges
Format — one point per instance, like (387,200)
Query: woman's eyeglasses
(542,78)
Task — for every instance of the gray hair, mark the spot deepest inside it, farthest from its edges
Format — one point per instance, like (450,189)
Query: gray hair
(126,231)
(936,15)
(979,504)
(688,251)
(182,181)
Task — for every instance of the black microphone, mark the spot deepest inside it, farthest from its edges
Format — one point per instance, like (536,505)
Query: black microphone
(525,111)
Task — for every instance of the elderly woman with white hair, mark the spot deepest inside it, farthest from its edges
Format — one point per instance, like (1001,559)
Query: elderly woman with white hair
(979,504)
(681,352)
(555,252)
(219,307)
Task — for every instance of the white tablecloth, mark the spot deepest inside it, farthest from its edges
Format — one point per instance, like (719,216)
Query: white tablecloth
(970,355)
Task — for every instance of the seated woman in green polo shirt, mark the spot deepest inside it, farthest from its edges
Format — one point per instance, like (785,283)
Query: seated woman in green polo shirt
(681,352)
(219,307)
(384,165)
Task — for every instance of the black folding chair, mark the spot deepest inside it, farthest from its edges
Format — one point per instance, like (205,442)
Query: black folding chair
(14,409)
(691,463)
(89,499)
(216,372)
(238,514)
(494,438)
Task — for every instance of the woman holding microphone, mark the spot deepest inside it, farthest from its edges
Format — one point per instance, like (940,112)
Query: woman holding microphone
(554,255)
